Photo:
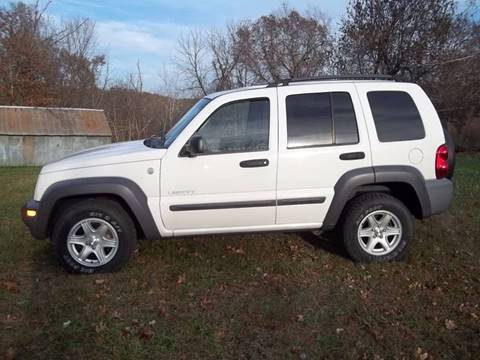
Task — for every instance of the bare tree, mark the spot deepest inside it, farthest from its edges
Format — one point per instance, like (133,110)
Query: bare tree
(43,63)
(133,113)
(285,43)
(397,37)
(174,104)
(424,41)
(191,60)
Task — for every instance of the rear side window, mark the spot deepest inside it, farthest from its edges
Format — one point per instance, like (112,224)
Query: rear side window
(320,119)
(396,116)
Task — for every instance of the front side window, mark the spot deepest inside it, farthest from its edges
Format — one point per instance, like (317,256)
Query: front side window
(395,115)
(239,126)
(320,119)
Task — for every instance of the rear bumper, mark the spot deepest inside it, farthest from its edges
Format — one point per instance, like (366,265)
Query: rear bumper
(34,223)
(440,194)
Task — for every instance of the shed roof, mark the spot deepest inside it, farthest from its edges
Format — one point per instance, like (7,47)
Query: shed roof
(22,120)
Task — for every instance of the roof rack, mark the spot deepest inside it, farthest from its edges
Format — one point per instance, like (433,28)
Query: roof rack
(286,82)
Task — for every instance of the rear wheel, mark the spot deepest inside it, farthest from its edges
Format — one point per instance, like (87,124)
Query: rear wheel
(95,235)
(377,227)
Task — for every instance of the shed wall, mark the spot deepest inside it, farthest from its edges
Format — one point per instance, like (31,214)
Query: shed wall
(17,150)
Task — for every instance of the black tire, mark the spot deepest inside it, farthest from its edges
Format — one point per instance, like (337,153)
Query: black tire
(358,209)
(107,210)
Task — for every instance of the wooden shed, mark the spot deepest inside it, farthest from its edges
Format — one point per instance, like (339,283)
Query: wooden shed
(36,136)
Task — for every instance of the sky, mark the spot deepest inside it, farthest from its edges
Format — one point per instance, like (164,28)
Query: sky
(147,31)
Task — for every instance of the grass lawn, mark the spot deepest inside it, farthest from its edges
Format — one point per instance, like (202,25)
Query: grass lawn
(246,296)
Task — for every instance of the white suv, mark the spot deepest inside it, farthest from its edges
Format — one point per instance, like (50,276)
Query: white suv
(363,154)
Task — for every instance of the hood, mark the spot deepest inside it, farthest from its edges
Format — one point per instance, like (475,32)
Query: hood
(122,152)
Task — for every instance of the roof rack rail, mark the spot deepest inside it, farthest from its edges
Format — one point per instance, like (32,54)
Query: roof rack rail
(286,82)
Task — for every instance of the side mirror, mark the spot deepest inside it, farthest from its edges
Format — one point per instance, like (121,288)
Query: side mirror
(195,146)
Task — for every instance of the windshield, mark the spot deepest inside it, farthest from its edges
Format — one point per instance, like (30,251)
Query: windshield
(184,121)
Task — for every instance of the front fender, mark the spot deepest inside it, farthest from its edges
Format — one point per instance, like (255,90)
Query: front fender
(126,189)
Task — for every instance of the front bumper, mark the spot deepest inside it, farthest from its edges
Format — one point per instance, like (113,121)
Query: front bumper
(34,223)
(440,194)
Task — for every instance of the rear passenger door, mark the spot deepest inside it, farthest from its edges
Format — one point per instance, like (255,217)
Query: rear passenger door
(322,136)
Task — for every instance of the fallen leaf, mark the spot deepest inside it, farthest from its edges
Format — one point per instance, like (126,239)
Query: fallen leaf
(204,302)
(116,315)
(145,334)
(235,250)
(364,294)
(450,324)
(239,251)
(100,327)
(99,281)
(127,330)
(10,354)
(181,279)
(162,310)
(11,286)
(11,318)
(420,354)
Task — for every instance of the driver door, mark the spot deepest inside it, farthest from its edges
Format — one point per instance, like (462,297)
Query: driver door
(231,185)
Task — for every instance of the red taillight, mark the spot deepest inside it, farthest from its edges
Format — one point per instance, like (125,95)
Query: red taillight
(441,161)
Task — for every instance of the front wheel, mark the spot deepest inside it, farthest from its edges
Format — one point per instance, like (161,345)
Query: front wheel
(377,227)
(95,235)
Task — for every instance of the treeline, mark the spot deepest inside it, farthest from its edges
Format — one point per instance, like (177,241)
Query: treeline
(435,43)
(46,63)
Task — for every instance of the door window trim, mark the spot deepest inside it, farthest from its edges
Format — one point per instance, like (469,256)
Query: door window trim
(332,120)
(237,151)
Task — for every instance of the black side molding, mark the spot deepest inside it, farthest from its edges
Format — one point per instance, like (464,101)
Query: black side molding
(301,201)
(222,205)
(247,204)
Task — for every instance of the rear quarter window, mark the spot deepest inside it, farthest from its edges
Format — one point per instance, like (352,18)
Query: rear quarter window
(396,116)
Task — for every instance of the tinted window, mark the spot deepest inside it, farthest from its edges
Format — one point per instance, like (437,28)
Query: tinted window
(238,126)
(320,119)
(346,131)
(396,116)
(184,121)
(309,120)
